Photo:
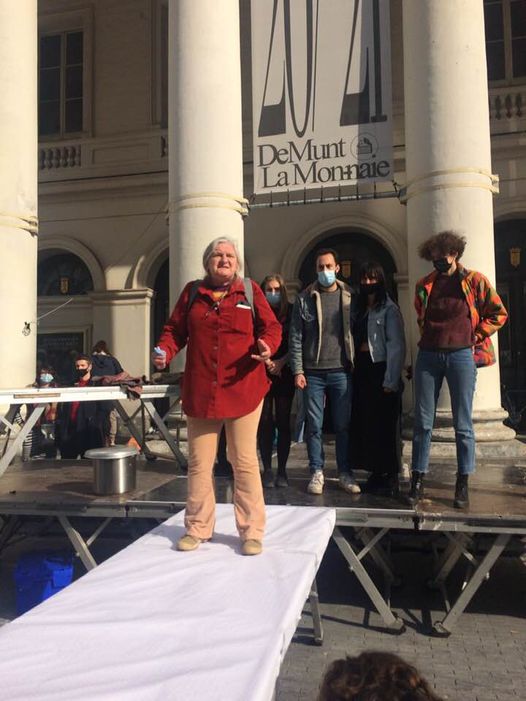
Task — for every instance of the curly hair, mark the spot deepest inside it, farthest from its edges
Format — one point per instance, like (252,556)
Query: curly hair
(374,676)
(444,244)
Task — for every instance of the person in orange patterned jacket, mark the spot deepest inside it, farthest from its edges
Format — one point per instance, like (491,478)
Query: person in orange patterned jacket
(457,312)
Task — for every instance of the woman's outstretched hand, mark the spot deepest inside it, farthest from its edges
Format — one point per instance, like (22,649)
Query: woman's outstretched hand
(264,351)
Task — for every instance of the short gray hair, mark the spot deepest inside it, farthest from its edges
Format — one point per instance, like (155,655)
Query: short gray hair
(209,250)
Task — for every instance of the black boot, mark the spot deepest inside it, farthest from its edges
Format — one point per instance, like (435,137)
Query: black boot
(461,492)
(281,478)
(416,491)
(267,478)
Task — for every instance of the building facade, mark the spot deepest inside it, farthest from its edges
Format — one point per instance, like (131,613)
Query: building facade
(128,174)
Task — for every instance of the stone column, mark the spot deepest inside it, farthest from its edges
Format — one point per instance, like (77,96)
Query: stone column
(448,162)
(205,133)
(18,190)
(122,319)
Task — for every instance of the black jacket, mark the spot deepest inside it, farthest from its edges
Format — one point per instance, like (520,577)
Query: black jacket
(104,365)
(92,419)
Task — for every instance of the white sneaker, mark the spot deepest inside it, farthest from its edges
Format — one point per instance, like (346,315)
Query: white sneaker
(349,484)
(316,483)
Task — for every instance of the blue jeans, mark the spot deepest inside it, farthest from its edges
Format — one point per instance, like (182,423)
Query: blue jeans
(337,386)
(458,367)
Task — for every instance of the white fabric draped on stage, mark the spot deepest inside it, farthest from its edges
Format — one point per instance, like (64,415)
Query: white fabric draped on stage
(152,623)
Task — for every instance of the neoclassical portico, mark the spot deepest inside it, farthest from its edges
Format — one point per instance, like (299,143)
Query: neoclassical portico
(18,190)
(448,168)
(450,184)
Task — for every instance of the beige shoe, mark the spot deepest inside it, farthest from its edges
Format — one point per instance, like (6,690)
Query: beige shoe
(316,483)
(188,542)
(251,547)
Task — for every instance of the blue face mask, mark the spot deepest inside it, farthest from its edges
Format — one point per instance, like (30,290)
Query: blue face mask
(273,298)
(45,378)
(326,278)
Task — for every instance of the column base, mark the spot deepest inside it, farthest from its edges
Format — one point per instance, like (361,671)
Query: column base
(493,438)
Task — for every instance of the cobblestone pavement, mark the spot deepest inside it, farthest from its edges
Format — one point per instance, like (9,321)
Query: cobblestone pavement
(483,660)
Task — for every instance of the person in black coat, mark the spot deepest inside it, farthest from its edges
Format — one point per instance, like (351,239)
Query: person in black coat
(81,425)
(275,416)
(104,363)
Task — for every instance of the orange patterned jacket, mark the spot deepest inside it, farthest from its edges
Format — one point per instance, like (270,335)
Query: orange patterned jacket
(486,310)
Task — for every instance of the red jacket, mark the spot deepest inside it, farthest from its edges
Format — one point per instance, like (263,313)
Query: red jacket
(221,381)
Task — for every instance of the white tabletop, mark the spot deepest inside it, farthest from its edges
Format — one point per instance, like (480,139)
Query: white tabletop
(152,623)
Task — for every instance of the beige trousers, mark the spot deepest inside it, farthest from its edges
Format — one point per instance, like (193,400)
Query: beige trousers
(249,506)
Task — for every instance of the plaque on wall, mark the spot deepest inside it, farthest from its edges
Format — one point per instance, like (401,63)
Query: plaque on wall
(59,351)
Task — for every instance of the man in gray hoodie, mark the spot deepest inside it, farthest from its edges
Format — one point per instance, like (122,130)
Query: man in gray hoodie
(321,356)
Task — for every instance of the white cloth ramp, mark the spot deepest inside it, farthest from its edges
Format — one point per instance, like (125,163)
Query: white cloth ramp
(154,624)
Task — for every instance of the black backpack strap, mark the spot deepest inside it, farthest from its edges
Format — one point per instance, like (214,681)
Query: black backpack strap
(193,294)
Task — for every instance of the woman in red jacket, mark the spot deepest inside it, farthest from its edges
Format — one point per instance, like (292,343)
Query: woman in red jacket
(228,337)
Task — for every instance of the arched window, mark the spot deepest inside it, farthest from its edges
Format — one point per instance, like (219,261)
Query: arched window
(63,274)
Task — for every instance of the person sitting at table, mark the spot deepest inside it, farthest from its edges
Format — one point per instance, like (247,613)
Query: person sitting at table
(81,425)
(40,440)
(230,331)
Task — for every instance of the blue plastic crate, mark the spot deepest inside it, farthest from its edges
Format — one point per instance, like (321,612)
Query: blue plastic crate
(40,575)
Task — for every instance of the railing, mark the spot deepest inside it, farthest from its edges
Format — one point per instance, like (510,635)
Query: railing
(507,102)
(135,152)
(63,156)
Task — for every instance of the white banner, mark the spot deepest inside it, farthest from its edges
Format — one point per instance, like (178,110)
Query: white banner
(321,93)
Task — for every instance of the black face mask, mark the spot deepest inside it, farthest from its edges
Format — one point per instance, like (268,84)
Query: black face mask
(442,265)
(371,289)
(80,373)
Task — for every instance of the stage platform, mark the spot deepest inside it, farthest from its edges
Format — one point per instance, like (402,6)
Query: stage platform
(480,534)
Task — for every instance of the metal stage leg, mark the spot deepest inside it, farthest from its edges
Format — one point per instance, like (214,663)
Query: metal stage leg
(165,433)
(12,449)
(371,541)
(444,627)
(96,533)
(9,527)
(451,555)
(314,601)
(133,430)
(6,422)
(391,621)
(78,542)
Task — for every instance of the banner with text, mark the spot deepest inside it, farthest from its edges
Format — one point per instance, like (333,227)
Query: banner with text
(321,93)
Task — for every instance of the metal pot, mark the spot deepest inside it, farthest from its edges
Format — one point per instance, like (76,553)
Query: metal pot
(114,469)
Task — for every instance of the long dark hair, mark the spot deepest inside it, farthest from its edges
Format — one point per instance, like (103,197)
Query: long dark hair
(284,303)
(374,271)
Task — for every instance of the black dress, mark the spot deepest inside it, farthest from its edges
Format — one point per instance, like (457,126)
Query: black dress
(275,414)
(375,416)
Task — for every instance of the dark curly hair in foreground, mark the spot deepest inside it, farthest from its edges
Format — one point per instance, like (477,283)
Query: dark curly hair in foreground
(374,676)
(443,244)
